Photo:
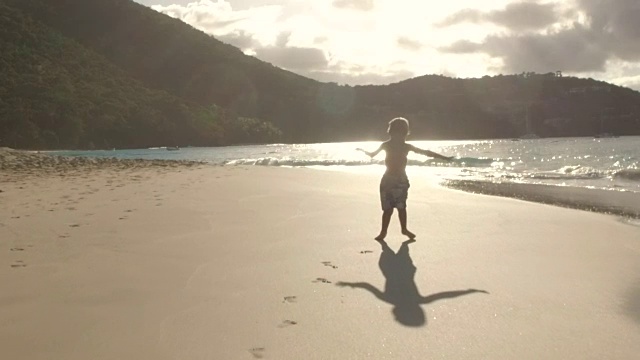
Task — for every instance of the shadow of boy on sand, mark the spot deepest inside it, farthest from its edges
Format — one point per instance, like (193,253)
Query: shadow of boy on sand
(400,288)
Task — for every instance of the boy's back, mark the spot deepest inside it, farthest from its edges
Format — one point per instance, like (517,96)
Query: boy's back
(396,152)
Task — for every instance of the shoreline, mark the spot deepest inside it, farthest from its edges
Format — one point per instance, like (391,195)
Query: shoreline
(609,202)
(16,164)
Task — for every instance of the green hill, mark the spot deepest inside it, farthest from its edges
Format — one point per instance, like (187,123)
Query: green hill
(57,93)
(113,73)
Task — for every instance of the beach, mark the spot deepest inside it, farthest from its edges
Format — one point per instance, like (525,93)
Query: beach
(144,260)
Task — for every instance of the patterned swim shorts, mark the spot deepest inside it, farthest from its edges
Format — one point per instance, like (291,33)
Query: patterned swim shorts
(394,189)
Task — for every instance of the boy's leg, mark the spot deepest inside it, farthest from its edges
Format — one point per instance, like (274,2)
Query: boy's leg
(402,215)
(386,219)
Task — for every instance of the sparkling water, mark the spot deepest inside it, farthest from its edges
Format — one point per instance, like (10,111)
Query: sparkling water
(604,163)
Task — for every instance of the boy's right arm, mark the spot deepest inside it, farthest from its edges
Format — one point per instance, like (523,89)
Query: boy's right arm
(374,153)
(430,153)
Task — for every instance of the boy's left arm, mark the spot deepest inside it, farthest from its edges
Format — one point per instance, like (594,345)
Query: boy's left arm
(430,153)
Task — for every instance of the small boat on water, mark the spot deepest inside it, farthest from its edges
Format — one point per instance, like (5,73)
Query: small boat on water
(173,148)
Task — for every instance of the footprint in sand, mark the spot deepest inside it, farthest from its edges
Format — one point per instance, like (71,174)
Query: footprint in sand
(328,263)
(17,249)
(63,236)
(322,280)
(257,352)
(74,225)
(18,264)
(289,299)
(287,323)
(366,252)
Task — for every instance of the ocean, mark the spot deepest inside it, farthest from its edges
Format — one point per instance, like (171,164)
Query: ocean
(590,163)
(598,174)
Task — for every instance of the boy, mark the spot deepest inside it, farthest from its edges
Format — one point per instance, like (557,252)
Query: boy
(394,185)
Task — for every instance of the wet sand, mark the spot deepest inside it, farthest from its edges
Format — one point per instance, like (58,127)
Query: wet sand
(613,202)
(239,262)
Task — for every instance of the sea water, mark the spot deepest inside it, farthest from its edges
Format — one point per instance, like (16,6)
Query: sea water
(603,163)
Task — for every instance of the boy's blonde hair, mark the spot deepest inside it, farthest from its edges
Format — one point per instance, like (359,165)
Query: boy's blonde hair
(399,126)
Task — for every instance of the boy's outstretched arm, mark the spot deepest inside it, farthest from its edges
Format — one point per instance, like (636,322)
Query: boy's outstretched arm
(374,153)
(430,153)
(362,285)
(448,295)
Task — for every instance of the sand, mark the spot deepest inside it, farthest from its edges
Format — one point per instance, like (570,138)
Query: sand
(280,263)
(622,203)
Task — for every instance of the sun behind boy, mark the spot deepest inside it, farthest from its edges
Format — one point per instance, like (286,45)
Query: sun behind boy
(394,185)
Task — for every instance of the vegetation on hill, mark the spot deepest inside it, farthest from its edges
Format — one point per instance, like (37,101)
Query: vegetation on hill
(113,73)
(57,93)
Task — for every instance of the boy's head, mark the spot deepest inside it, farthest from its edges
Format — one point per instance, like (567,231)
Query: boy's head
(398,127)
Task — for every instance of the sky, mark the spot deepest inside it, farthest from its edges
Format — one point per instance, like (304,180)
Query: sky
(360,42)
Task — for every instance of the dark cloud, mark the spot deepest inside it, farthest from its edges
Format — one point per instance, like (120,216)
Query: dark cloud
(525,15)
(517,16)
(612,30)
(569,50)
(364,5)
(408,44)
(618,23)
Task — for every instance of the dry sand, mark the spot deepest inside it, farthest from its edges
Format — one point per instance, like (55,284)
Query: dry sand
(244,263)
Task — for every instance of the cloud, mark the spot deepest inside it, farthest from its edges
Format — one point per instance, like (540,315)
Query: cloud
(408,44)
(292,57)
(462,47)
(239,39)
(609,30)
(567,50)
(618,24)
(515,16)
(632,82)
(382,41)
(204,14)
(363,5)
(219,18)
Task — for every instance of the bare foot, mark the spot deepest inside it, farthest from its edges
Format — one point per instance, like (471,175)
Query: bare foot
(409,234)
(381,236)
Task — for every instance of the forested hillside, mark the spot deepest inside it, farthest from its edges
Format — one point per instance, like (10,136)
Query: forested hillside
(113,73)
(56,93)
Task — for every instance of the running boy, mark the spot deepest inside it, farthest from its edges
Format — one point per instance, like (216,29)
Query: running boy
(394,185)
